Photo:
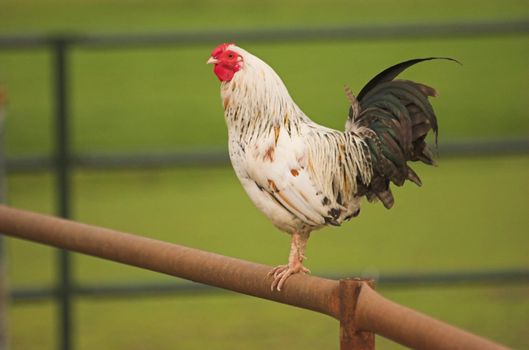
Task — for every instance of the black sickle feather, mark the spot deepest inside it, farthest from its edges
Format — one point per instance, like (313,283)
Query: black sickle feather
(392,72)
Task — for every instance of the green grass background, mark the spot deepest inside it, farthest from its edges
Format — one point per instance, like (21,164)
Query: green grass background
(470,213)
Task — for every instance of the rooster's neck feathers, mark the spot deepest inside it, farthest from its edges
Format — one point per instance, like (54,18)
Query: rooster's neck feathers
(256,97)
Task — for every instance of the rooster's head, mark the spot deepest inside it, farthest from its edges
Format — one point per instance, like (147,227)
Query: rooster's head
(227,62)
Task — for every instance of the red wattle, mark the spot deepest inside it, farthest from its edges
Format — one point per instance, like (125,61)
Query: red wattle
(225,72)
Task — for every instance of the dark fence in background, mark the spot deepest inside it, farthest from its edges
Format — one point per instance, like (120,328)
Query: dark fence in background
(396,280)
(399,31)
(63,161)
(205,158)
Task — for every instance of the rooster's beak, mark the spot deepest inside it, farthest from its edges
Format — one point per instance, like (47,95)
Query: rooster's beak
(212,61)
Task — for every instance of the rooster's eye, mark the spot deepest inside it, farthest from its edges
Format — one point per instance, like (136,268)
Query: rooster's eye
(230,55)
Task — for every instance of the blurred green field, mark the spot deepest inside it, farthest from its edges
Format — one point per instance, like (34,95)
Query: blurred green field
(471,214)
(157,15)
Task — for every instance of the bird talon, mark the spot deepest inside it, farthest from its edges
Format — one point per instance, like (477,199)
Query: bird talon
(282,272)
(276,270)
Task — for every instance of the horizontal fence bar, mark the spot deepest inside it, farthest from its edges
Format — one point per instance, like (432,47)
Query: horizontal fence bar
(450,278)
(40,294)
(124,160)
(241,276)
(411,328)
(110,290)
(353,302)
(485,147)
(365,32)
(213,157)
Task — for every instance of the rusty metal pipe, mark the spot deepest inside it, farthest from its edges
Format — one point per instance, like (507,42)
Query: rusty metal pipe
(411,328)
(241,276)
(360,310)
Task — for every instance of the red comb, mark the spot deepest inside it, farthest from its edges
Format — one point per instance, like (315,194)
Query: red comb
(219,49)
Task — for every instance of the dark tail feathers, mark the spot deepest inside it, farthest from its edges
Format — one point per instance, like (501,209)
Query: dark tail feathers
(400,116)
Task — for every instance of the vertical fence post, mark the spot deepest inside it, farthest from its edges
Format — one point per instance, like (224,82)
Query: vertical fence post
(351,338)
(3,259)
(63,175)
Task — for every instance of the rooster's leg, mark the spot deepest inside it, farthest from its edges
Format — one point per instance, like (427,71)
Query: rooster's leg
(295,261)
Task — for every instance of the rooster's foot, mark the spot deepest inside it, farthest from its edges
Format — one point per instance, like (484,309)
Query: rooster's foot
(282,272)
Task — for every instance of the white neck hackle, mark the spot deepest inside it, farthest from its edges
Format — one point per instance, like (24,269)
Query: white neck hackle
(256,102)
(256,97)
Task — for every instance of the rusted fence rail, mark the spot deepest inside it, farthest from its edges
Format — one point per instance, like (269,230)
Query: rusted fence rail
(360,310)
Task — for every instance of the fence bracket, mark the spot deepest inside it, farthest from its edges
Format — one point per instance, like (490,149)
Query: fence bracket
(352,337)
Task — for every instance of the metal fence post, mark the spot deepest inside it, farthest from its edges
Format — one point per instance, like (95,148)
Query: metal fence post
(351,337)
(63,176)
(4,292)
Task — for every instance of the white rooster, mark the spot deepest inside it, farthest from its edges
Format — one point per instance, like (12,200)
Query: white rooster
(304,176)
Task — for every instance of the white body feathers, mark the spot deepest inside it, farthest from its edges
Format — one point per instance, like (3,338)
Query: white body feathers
(301,175)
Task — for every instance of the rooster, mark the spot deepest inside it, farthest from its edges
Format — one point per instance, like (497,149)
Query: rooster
(304,176)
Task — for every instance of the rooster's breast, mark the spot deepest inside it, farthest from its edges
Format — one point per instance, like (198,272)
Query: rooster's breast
(275,170)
